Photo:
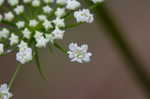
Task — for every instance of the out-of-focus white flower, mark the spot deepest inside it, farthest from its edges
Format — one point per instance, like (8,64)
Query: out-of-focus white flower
(19,9)
(9,16)
(40,40)
(1,48)
(47,9)
(33,23)
(13,2)
(14,39)
(26,33)
(47,24)
(84,16)
(73,4)
(23,45)
(20,24)
(27,1)
(36,3)
(1,2)
(61,2)
(79,53)
(4,33)
(4,92)
(58,34)
(59,22)
(97,1)
(24,56)
(42,17)
(60,12)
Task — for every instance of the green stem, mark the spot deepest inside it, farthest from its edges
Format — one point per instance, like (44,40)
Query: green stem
(133,62)
(14,75)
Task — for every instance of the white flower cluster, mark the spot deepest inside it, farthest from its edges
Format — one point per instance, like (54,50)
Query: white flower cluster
(41,24)
(4,92)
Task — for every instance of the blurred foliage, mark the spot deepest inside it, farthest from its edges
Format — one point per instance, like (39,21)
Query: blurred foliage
(115,33)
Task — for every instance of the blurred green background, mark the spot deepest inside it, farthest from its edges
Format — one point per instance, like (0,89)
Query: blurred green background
(105,77)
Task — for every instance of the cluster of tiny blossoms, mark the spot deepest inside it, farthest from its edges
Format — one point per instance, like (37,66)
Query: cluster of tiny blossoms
(26,25)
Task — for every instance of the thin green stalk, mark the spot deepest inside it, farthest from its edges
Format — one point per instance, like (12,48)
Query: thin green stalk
(14,75)
(133,62)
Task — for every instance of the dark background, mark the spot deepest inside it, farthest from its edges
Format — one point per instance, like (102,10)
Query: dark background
(106,77)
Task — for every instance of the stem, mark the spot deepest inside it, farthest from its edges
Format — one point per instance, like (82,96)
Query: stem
(14,75)
(133,62)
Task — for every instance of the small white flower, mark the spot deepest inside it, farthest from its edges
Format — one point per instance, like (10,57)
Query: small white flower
(1,48)
(59,22)
(27,1)
(8,16)
(84,16)
(1,2)
(36,3)
(48,1)
(14,39)
(47,24)
(4,92)
(24,56)
(60,12)
(4,33)
(61,2)
(79,53)
(23,45)
(58,34)
(33,23)
(73,4)
(97,1)
(40,40)
(1,17)
(47,9)
(26,33)
(42,17)
(13,2)
(20,24)
(50,37)
(19,9)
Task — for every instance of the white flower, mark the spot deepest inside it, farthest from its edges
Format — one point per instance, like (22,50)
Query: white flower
(79,53)
(40,40)
(9,16)
(84,16)
(42,17)
(47,9)
(33,23)
(14,39)
(36,3)
(47,24)
(61,2)
(59,22)
(58,34)
(26,33)
(97,1)
(23,45)
(4,33)
(13,2)
(50,37)
(48,1)
(1,17)
(73,4)
(27,1)
(1,48)
(1,2)
(60,12)
(24,56)
(19,9)
(20,24)
(4,92)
